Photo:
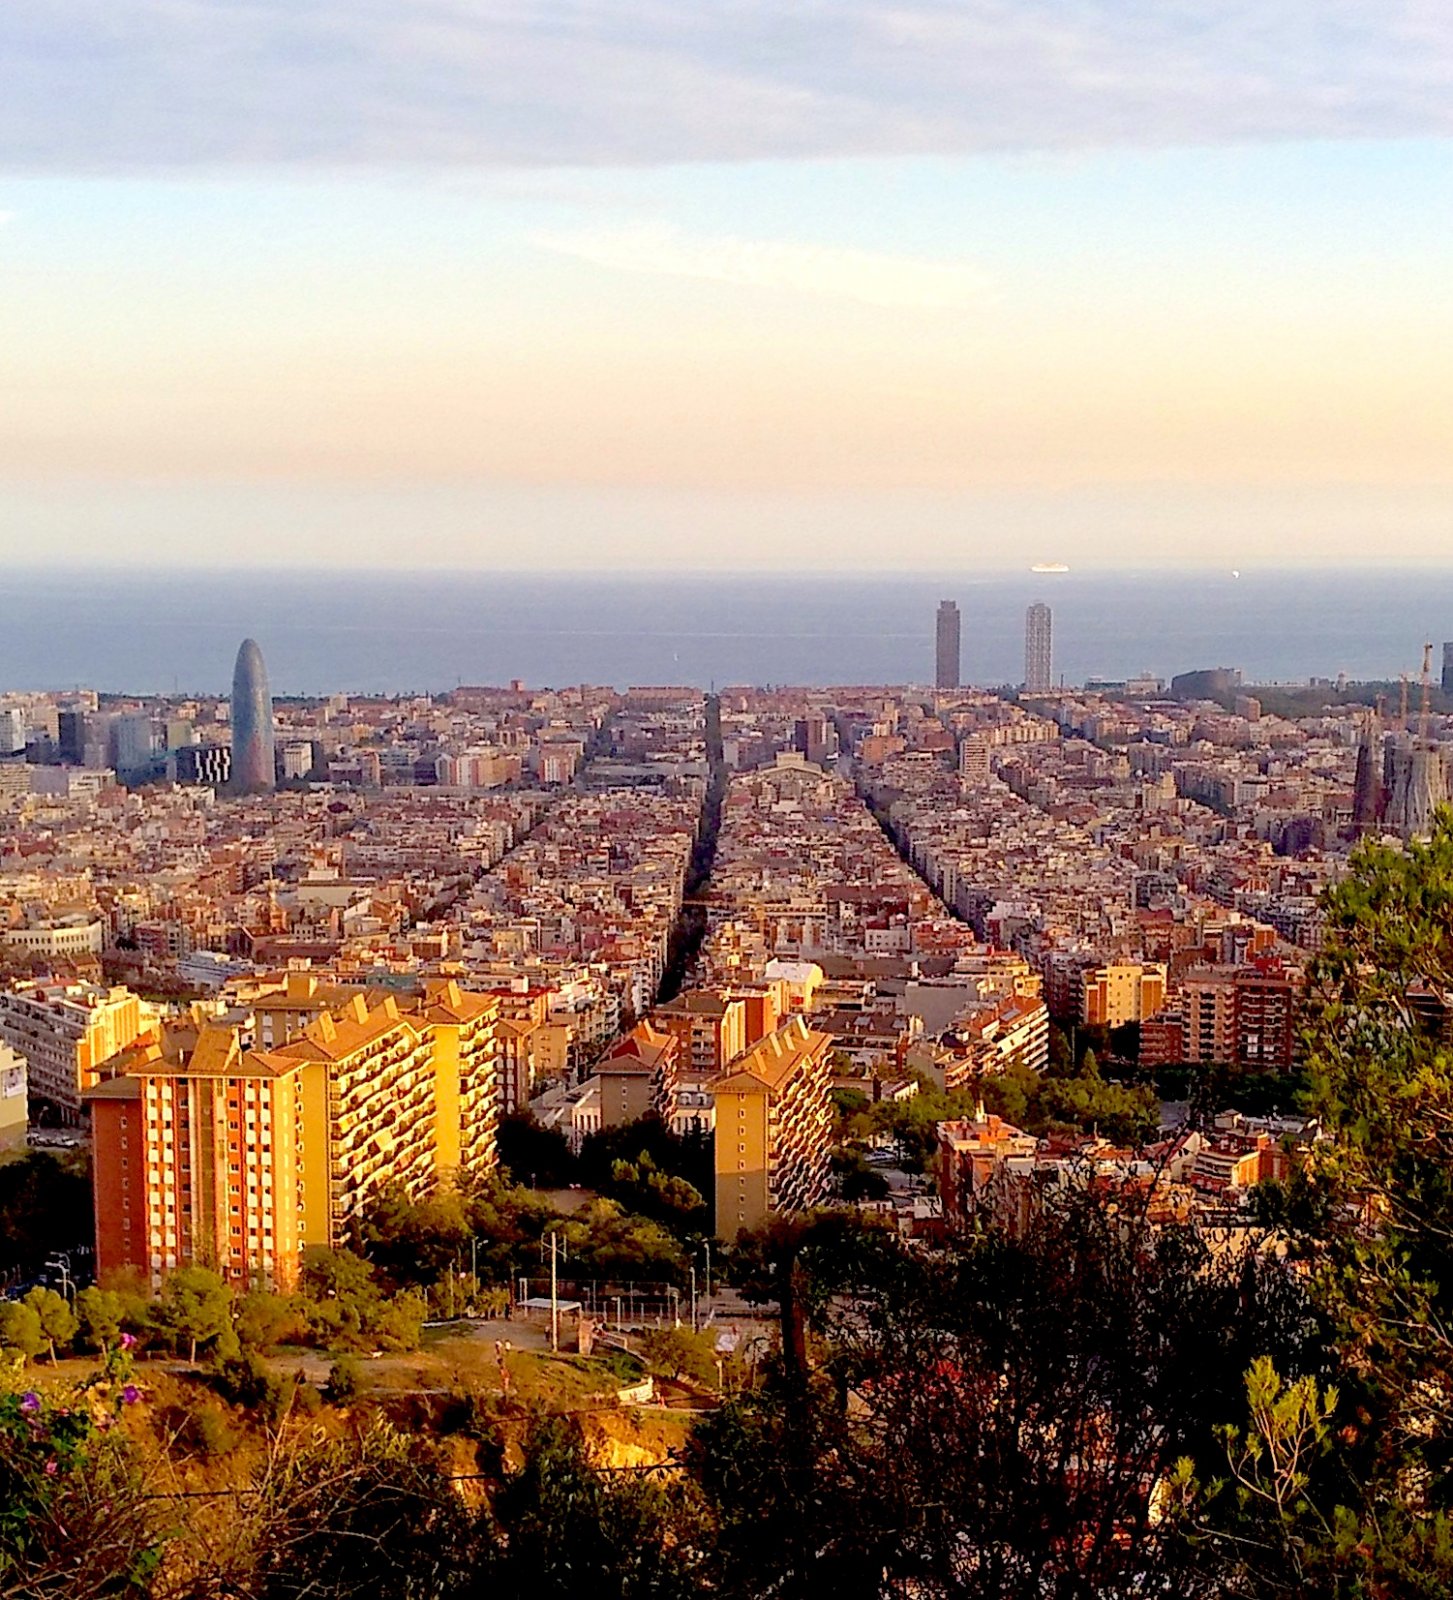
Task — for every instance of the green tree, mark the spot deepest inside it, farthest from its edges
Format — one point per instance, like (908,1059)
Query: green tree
(345,1378)
(533,1154)
(99,1313)
(20,1330)
(855,1177)
(680,1353)
(1261,1520)
(337,1275)
(687,1157)
(641,1186)
(848,1106)
(417,1241)
(1014,1095)
(349,1518)
(57,1320)
(194,1307)
(1061,1059)
(1371,1209)
(265,1320)
(1089,1104)
(398,1323)
(984,1421)
(606,1241)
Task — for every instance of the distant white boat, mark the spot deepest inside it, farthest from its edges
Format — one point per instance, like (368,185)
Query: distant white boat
(1049,566)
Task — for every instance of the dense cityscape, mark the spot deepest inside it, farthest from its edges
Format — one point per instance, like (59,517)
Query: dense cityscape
(287,980)
(726,801)
(929,878)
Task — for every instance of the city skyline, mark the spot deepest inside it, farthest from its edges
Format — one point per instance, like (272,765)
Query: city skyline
(1103,308)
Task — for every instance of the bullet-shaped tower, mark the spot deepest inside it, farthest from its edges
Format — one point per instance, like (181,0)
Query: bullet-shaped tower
(253,770)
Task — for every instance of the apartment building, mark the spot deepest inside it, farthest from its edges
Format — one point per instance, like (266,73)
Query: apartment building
(209,1152)
(972,1153)
(711,1026)
(1209,1028)
(199,1161)
(14,1105)
(772,1128)
(1121,992)
(66,1031)
(638,1075)
(461,1029)
(1246,1016)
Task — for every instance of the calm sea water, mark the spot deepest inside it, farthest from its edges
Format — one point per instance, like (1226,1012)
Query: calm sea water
(372,632)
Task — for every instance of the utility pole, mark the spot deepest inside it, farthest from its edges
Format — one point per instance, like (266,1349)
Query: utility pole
(557,1249)
(693,1297)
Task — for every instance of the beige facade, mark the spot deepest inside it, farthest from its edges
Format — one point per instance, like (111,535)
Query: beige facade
(14,1115)
(1125,991)
(638,1076)
(66,1031)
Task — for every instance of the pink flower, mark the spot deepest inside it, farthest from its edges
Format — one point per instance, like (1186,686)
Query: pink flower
(128,1341)
(50,1468)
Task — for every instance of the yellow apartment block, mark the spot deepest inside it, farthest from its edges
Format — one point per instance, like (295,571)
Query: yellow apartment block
(462,1029)
(772,1128)
(1124,991)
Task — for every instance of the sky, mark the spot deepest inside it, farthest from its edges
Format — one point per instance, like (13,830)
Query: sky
(776,284)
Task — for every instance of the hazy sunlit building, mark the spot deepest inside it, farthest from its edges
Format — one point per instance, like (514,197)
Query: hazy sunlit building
(1121,992)
(1038,648)
(14,1087)
(773,1128)
(946,654)
(253,763)
(65,1032)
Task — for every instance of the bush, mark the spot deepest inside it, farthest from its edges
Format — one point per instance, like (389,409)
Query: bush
(680,1353)
(20,1333)
(345,1377)
(202,1428)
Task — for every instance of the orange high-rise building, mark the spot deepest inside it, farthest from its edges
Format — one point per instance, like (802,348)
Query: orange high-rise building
(207,1153)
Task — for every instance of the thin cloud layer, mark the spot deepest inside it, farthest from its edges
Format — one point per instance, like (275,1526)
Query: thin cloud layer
(869,276)
(121,84)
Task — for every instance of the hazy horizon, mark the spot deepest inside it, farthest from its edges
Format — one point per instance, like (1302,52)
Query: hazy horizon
(148,631)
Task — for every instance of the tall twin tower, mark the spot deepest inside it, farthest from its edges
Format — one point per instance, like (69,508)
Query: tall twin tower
(1038,647)
(254,769)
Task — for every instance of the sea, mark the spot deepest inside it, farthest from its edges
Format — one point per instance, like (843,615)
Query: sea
(177,631)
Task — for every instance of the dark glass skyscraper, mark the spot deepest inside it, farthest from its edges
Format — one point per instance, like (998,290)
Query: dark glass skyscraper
(946,641)
(253,769)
